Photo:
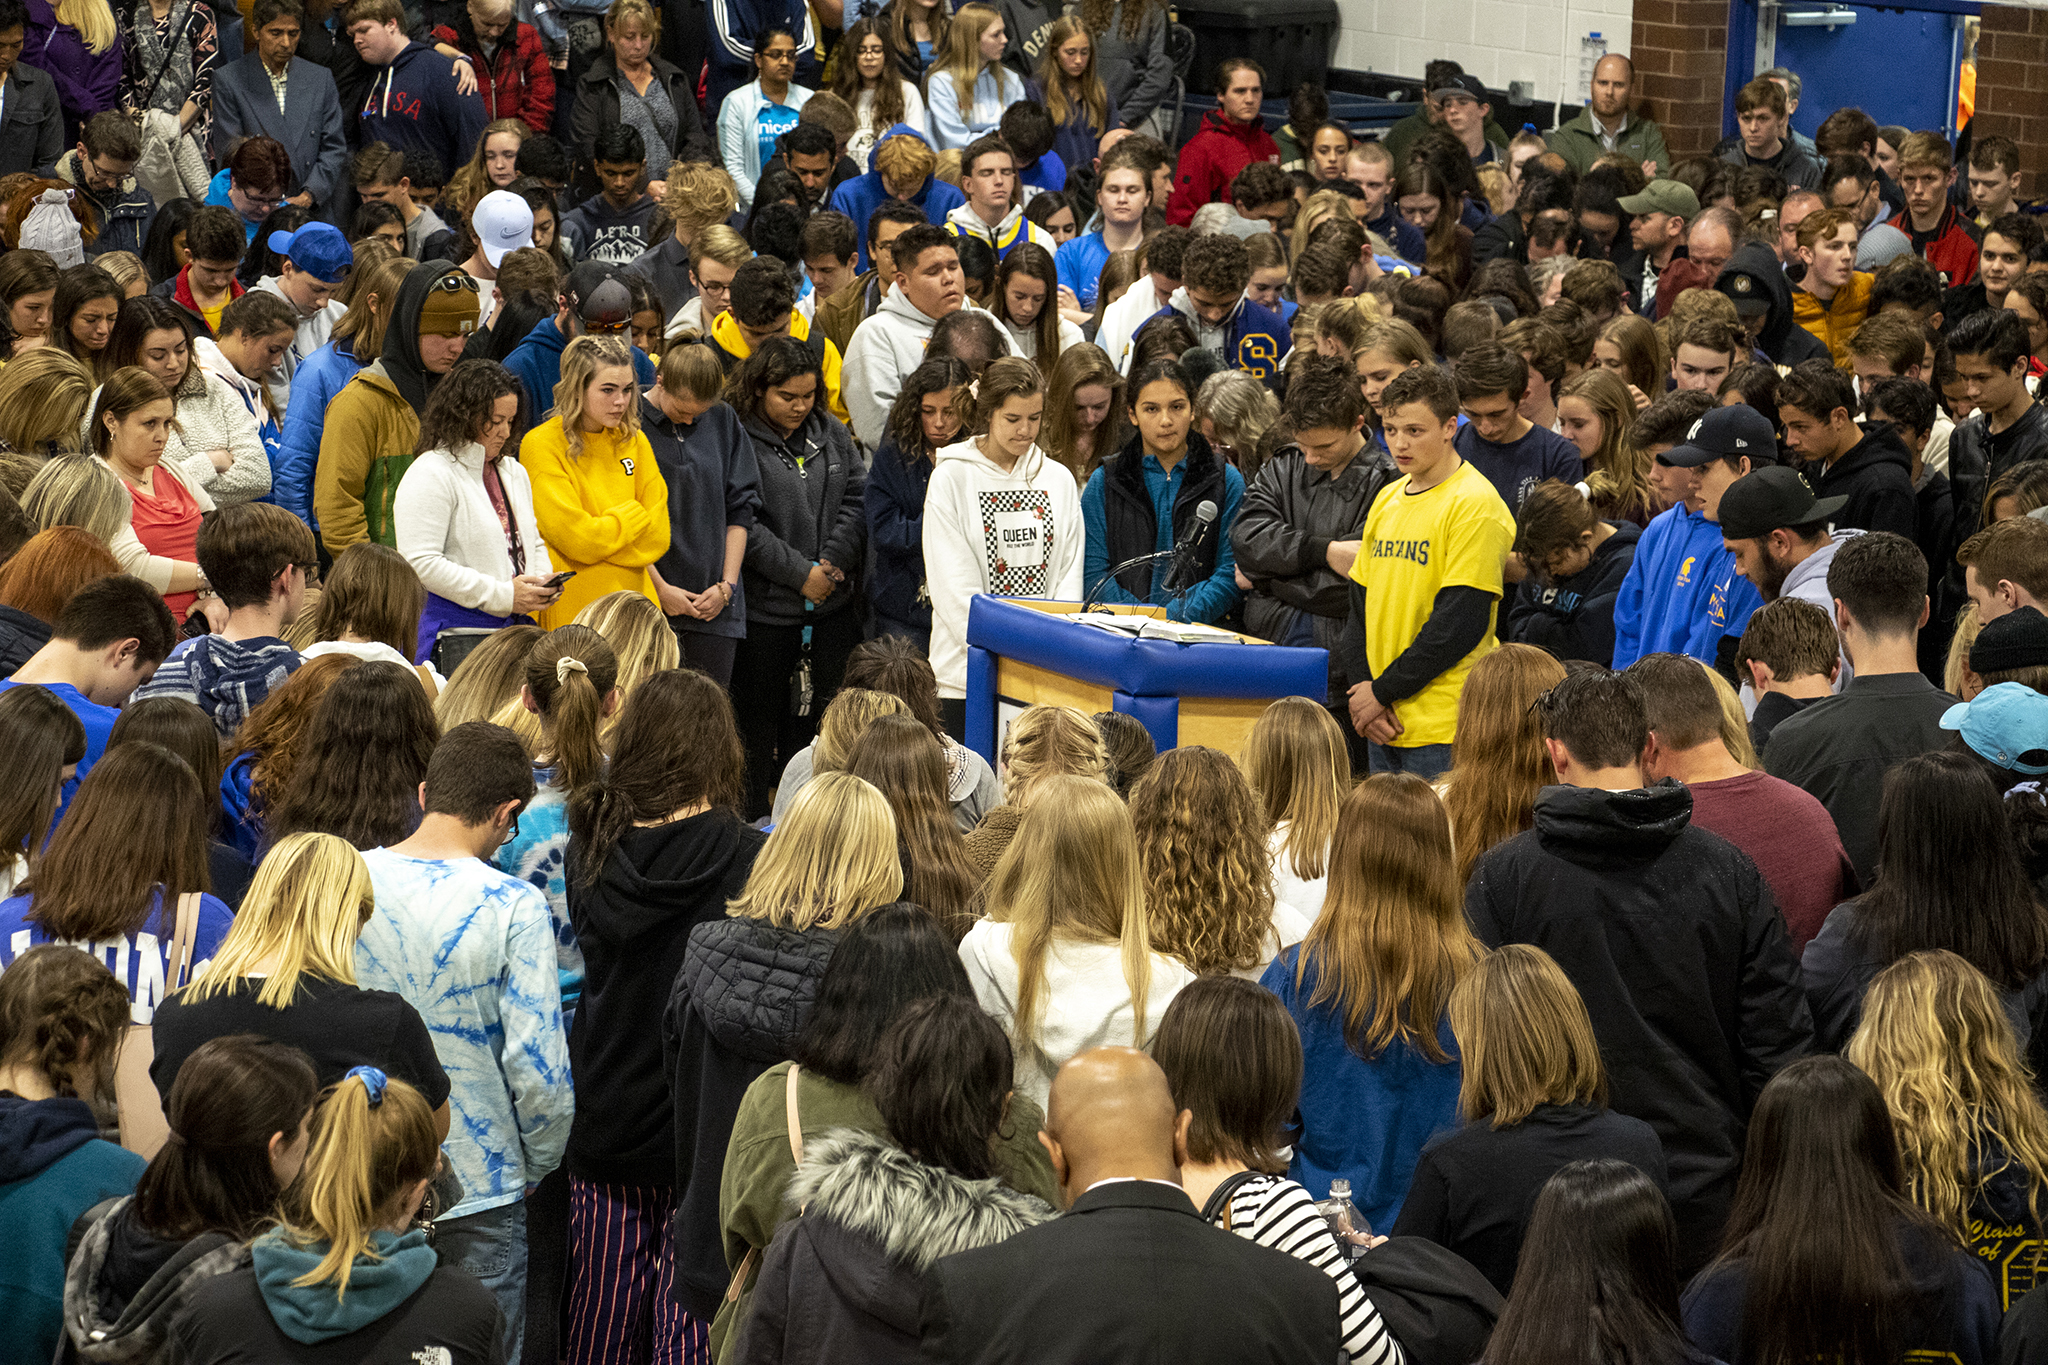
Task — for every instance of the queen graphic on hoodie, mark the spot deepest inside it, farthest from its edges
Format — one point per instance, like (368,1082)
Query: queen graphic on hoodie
(1000,516)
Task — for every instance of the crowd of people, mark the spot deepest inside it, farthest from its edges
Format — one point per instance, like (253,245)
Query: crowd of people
(492,869)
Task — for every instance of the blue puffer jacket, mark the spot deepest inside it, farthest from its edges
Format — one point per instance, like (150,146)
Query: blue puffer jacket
(319,377)
(862,195)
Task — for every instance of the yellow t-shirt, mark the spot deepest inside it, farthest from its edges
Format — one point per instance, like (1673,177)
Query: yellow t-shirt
(1455,535)
(212,315)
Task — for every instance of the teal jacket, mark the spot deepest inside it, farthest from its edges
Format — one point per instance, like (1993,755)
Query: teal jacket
(53,1167)
(1577,140)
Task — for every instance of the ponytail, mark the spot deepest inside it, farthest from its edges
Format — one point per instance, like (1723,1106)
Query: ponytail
(214,1174)
(570,671)
(373,1138)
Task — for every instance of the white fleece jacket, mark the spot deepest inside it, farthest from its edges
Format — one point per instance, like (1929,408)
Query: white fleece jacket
(1013,533)
(888,345)
(446,528)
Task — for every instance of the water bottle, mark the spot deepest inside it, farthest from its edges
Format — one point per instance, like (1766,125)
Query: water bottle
(1347,1224)
(1592,48)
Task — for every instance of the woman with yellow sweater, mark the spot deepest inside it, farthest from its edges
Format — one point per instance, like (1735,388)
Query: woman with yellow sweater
(598,495)
(1834,297)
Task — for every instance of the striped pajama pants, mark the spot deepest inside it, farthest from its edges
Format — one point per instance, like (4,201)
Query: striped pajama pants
(622,1308)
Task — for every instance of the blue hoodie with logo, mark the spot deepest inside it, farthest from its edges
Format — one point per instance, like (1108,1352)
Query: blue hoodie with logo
(414,104)
(1252,338)
(862,195)
(1664,601)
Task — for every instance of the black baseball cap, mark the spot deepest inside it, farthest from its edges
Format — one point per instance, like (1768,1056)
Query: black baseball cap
(1726,433)
(1460,87)
(1764,500)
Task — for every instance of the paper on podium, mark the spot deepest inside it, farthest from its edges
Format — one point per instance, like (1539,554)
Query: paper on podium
(1154,628)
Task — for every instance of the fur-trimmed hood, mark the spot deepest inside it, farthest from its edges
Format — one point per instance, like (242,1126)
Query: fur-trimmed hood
(917,1213)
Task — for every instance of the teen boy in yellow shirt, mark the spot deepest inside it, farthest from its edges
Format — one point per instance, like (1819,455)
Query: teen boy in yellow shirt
(1430,568)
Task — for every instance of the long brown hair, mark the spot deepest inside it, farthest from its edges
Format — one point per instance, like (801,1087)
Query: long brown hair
(1208,877)
(134,836)
(1298,763)
(1029,258)
(372,736)
(1392,943)
(39,735)
(1064,96)
(1498,762)
(899,758)
(230,1097)
(888,88)
(677,744)
(1079,367)
(1232,1058)
(274,730)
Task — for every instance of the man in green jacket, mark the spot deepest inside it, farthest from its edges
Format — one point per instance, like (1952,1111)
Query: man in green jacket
(1605,124)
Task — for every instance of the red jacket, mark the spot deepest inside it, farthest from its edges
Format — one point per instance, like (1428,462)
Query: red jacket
(1212,159)
(1951,248)
(522,84)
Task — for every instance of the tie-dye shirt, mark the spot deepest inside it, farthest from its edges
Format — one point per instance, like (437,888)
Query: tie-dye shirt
(539,856)
(469,947)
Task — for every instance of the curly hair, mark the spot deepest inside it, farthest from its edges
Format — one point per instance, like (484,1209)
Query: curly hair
(63,1013)
(1208,874)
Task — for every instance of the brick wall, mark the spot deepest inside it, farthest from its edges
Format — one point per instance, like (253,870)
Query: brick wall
(1499,41)
(1680,48)
(2012,86)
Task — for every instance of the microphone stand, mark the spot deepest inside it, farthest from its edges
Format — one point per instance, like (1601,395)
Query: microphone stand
(1132,563)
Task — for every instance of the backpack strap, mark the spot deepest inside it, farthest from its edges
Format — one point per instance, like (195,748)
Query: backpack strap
(1219,1198)
(796,1127)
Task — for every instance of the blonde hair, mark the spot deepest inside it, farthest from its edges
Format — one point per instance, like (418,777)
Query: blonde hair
(1050,741)
(831,859)
(1317,209)
(723,245)
(1392,943)
(691,370)
(1208,877)
(1071,874)
(640,637)
(375,287)
(852,711)
(1618,473)
(472,181)
(624,12)
(1090,98)
(125,266)
(1734,721)
(1498,762)
(1348,322)
(94,20)
(581,361)
(1937,1041)
(488,678)
(959,56)
(569,702)
(1968,623)
(81,491)
(310,899)
(1524,1038)
(699,195)
(42,400)
(361,1160)
(1297,761)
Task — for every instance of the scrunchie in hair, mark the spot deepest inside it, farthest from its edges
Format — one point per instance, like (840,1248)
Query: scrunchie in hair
(373,1081)
(568,664)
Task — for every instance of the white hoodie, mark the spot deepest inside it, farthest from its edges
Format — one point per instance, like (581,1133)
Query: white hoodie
(888,344)
(1013,534)
(1123,318)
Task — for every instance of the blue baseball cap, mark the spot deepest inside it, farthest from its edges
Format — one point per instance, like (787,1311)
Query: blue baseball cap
(2007,724)
(319,249)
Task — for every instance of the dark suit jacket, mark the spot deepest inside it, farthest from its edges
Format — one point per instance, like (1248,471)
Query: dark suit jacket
(31,123)
(1130,1273)
(310,126)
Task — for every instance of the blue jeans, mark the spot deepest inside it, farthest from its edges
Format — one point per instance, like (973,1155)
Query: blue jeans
(492,1246)
(1426,761)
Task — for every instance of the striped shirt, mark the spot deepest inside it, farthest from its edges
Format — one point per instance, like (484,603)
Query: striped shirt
(1275,1212)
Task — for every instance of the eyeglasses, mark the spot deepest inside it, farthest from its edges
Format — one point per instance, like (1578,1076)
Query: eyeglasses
(510,834)
(457,283)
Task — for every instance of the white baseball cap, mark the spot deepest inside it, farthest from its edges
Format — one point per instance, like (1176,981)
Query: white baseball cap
(503,222)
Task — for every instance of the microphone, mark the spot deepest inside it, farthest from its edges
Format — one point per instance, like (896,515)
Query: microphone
(1185,572)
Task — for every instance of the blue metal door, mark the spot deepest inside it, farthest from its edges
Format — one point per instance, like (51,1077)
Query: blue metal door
(1897,65)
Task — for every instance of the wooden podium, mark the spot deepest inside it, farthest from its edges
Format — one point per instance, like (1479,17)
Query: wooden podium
(1024,652)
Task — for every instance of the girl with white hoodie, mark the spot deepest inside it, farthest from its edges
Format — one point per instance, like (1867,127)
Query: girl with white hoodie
(1000,516)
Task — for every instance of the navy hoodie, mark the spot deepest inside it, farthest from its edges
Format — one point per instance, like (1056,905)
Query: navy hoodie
(413,105)
(894,504)
(1573,618)
(863,194)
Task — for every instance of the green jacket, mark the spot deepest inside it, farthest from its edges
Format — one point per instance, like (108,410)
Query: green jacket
(1400,138)
(366,445)
(1578,142)
(758,1166)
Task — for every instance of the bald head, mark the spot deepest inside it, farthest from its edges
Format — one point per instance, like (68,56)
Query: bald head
(1110,1115)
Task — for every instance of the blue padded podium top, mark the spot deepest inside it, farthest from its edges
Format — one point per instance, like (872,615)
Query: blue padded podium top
(1156,668)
